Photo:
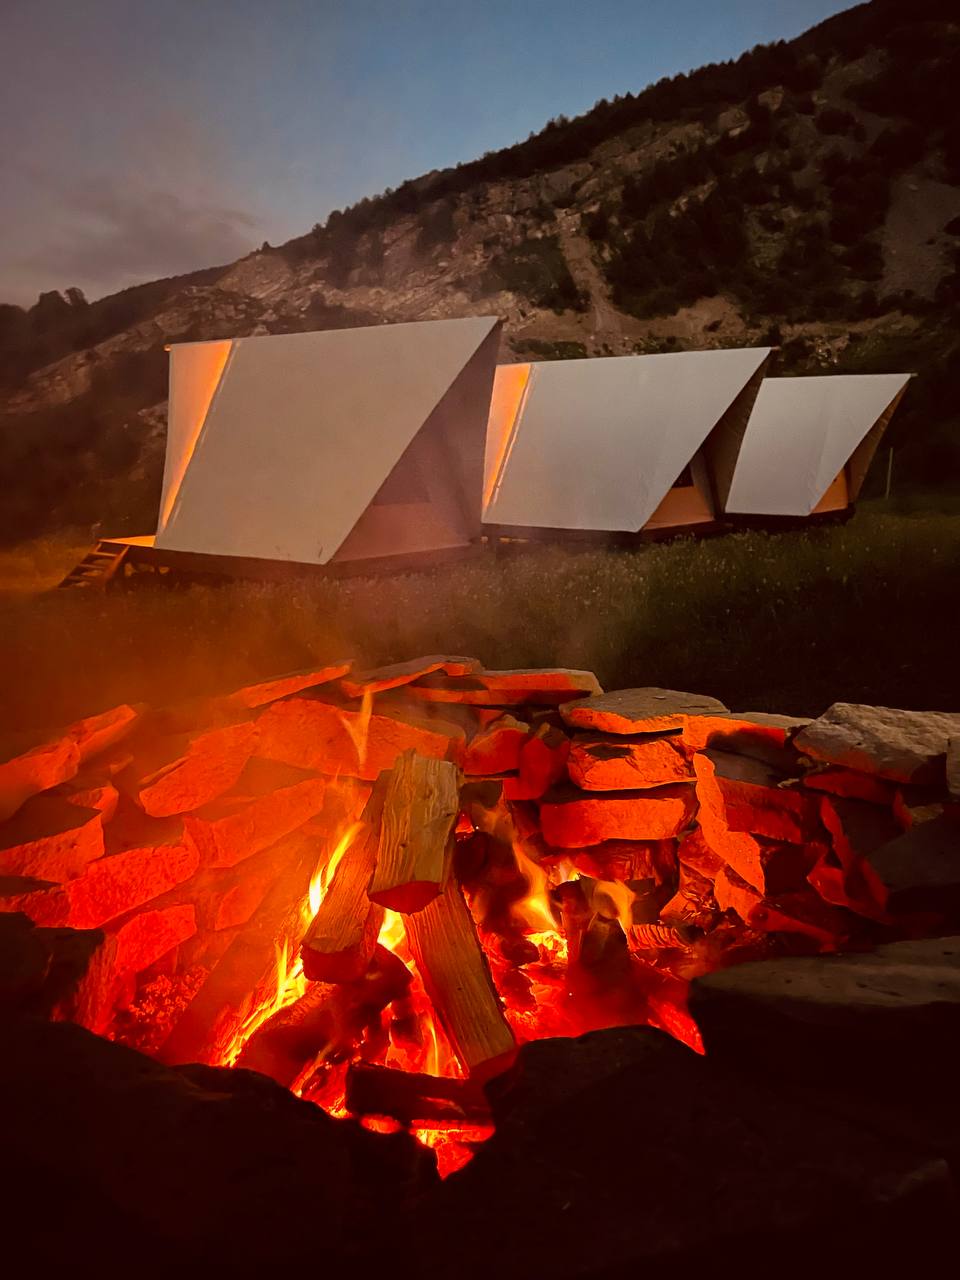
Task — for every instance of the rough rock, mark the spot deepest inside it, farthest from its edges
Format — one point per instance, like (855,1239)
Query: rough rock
(905,746)
(574,820)
(496,747)
(851,785)
(226,833)
(213,763)
(953,767)
(258,695)
(110,887)
(755,801)
(624,1148)
(920,870)
(749,733)
(401,673)
(875,1033)
(198,1163)
(317,735)
(632,711)
(50,839)
(30,772)
(543,759)
(42,969)
(507,688)
(607,762)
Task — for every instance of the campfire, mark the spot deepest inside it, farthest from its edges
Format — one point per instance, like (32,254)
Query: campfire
(374,886)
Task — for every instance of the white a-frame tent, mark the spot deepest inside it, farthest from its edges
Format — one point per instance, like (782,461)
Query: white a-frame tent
(809,442)
(617,444)
(321,448)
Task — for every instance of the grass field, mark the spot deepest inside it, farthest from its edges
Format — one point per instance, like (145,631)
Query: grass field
(867,611)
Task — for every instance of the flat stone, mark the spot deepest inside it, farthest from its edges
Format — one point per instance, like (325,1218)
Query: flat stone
(755,801)
(610,762)
(632,711)
(258,695)
(212,764)
(227,833)
(800,912)
(851,785)
(543,760)
(905,746)
(873,1034)
(637,1153)
(573,820)
(397,674)
(758,734)
(506,688)
(496,747)
(30,772)
(50,839)
(920,870)
(317,735)
(109,888)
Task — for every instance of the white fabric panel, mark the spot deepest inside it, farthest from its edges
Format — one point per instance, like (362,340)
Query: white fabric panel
(801,433)
(304,430)
(600,441)
(195,371)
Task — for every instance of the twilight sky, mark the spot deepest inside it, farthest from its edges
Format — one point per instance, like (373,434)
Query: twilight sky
(141,138)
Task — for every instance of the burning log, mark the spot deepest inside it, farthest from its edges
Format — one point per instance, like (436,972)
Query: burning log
(574,820)
(316,735)
(604,762)
(50,839)
(420,807)
(411,1097)
(402,673)
(212,765)
(633,711)
(326,1023)
(450,960)
(693,905)
(507,688)
(340,941)
(543,760)
(225,834)
(496,748)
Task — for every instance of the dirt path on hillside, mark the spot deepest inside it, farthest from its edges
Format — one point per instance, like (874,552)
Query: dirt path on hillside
(606,322)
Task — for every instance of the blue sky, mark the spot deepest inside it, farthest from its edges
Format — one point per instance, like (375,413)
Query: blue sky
(140,139)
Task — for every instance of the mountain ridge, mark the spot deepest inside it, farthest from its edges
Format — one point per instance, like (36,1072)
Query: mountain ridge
(806,195)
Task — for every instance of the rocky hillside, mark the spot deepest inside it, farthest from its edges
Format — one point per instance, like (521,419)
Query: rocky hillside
(807,195)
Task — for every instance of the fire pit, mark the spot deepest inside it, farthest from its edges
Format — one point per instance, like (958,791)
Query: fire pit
(375,887)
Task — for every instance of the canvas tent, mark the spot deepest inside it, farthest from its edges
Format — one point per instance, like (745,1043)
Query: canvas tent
(809,442)
(322,448)
(616,444)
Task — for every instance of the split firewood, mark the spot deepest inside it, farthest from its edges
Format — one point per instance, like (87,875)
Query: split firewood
(411,1097)
(339,944)
(444,944)
(415,851)
(327,1023)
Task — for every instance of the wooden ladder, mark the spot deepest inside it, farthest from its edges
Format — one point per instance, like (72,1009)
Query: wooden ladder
(98,567)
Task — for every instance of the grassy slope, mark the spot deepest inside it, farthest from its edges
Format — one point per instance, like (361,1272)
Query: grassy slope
(787,622)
